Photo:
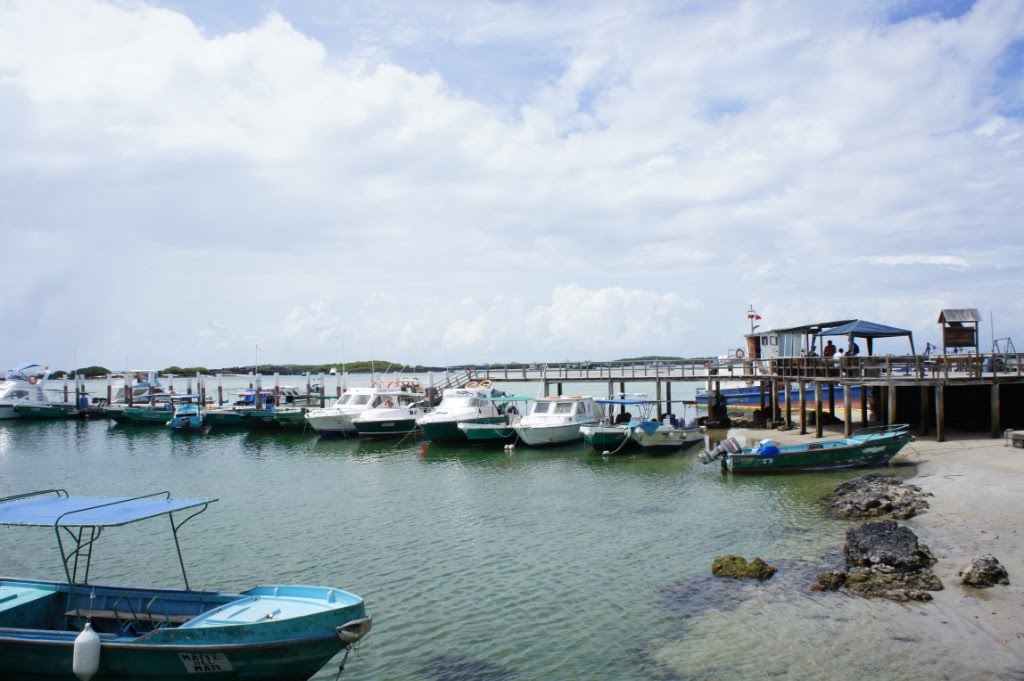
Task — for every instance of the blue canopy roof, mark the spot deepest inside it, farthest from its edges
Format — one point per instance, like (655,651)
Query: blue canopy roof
(863,329)
(42,510)
(625,400)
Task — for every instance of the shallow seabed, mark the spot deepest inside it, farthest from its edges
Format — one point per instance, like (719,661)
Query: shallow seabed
(482,565)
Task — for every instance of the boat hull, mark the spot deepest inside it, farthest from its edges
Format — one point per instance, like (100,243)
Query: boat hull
(482,433)
(141,416)
(749,397)
(386,427)
(47,411)
(331,423)
(826,456)
(295,644)
(549,436)
(449,431)
(224,417)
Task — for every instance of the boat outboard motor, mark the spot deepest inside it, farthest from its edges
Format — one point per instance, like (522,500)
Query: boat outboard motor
(729,445)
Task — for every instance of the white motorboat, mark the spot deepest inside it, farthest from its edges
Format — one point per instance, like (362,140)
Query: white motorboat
(475,403)
(557,420)
(22,385)
(337,418)
(401,403)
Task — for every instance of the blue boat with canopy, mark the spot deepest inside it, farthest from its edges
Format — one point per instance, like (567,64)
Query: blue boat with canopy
(53,631)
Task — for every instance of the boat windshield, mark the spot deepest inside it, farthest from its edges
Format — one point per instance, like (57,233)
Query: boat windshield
(564,407)
(541,407)
(359,400)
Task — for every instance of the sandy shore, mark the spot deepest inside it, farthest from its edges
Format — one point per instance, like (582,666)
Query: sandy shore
(977,508)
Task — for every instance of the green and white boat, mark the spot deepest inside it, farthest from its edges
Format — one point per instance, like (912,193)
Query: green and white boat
(396,416)
(476,403)
(865,448)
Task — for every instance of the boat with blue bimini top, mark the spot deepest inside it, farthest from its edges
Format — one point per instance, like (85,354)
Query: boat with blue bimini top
(629,433)
(52,631)
(865,448)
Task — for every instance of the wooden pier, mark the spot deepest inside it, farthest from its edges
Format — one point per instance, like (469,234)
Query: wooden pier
(967,392)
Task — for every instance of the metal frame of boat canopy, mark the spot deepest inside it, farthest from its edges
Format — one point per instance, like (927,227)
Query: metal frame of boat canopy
(83,519)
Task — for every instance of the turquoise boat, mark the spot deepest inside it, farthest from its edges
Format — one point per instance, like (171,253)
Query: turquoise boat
(865,448)
(151,415)
(187,417)
(53,631)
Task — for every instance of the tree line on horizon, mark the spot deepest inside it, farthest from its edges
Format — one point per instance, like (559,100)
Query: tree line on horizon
(360,367)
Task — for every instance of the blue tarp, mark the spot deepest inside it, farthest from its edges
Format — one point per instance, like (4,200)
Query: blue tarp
(46,511)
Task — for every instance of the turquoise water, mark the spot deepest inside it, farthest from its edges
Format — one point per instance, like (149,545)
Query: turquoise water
(483,565)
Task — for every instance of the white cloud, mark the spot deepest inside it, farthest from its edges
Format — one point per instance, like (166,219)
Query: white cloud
(411,181)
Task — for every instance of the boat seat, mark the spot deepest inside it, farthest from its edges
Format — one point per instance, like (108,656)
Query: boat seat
(127,616)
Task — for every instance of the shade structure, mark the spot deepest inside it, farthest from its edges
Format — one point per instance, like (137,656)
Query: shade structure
(869,331)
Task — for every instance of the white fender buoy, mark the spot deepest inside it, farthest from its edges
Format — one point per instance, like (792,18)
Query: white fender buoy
(85,660)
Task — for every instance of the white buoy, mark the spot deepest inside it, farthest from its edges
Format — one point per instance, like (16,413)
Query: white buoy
(85,660)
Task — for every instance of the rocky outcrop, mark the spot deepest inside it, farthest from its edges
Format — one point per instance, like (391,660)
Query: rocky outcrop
(874,495)
(884,560)
(737,567)
(983,572)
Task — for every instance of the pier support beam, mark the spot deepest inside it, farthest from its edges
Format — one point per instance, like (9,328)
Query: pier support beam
(995,408)
(891,411)
(818,432)
(803,408)
(925,404)
(863,406)
(789,404)
(940,413)
(847,411)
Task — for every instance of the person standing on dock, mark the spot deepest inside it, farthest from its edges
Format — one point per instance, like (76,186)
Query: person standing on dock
(828,350)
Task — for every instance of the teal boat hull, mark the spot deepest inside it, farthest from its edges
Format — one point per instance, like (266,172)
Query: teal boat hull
(857,451)
(482,434)
(223,636)
(142,416)
(449,431)
(224,417)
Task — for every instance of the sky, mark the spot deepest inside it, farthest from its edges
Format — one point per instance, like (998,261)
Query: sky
(195,183)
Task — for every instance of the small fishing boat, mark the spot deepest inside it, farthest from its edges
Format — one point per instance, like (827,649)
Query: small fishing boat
(188,416)
(641,432)
(63,630)
(865,448)
(557,420)
(463,406)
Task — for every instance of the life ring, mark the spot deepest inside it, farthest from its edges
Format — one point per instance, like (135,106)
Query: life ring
(388,403)
(486,383)
(393,384)
(739,354)
(33,380)
(472,384)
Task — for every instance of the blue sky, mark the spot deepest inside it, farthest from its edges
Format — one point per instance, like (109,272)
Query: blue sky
(486,182)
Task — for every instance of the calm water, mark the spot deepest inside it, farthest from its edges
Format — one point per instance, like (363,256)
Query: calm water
(479,565)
